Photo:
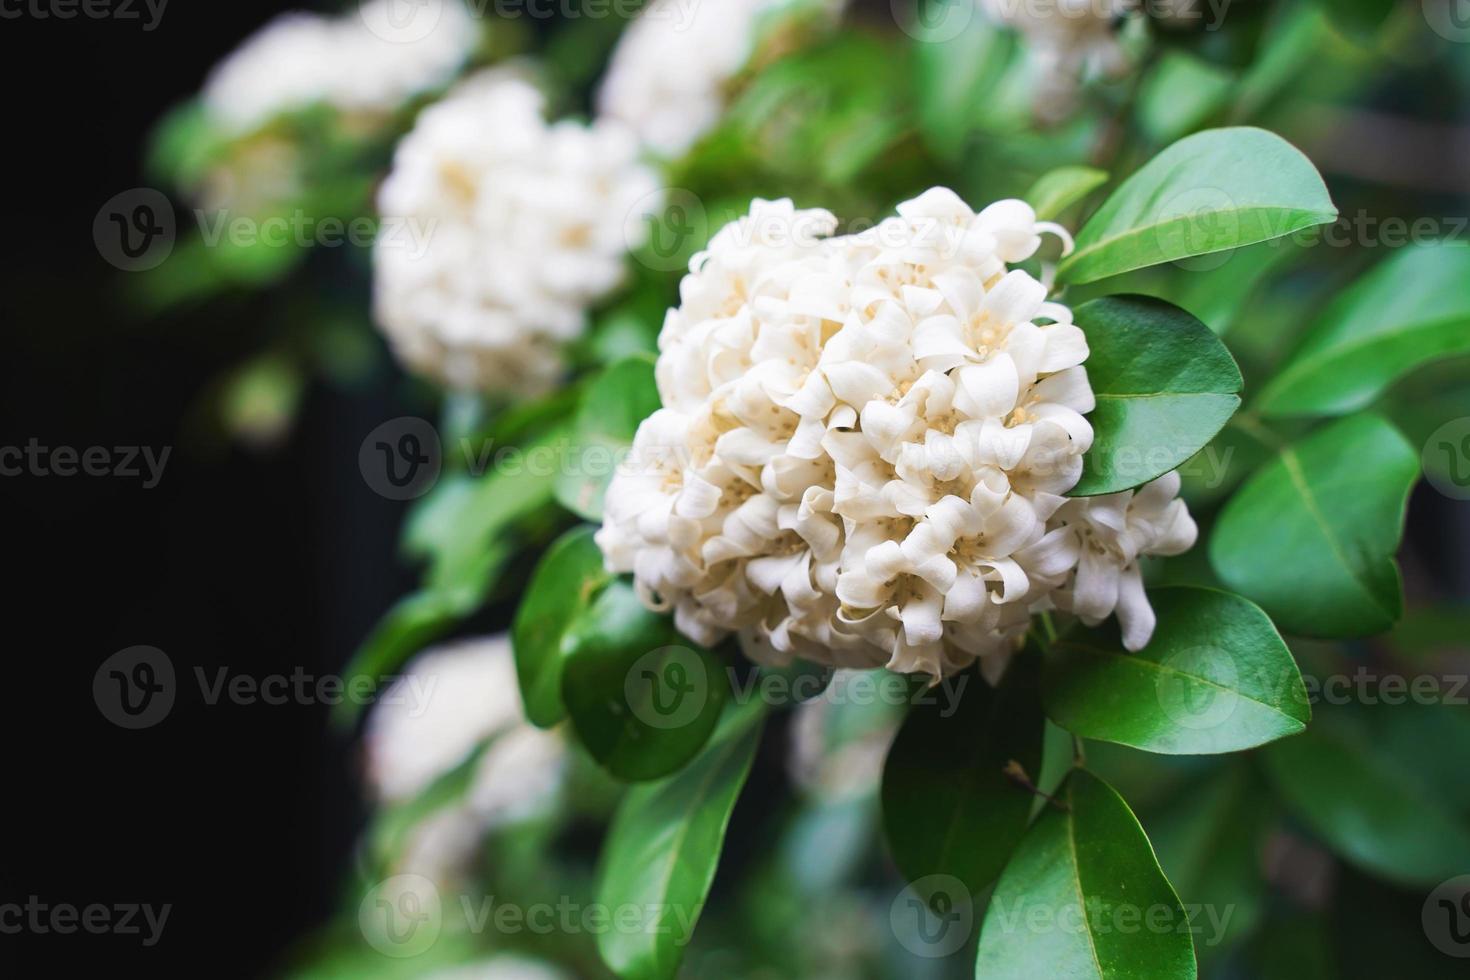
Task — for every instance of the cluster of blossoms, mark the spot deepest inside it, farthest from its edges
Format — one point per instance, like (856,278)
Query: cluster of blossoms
(865,445)
(354,63)
(668,76)
(449,702)
(1067,42)
(528,225)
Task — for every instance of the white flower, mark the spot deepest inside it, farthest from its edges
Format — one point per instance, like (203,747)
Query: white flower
(300,60)
(864,442)
(450,701)
(500,231)
(1111,533)
(1067,42)
(668,76)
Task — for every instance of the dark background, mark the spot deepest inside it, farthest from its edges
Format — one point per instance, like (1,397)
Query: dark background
(240,817)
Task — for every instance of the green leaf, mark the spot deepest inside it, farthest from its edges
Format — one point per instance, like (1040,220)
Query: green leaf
(957,71)
(663,848)
(413,623)
(484,516)
(1368,802)
(1181,93)
(1362,18)
(613,405)
(1165,385)
(1218,189)
(1084,898)
(642,699)
(1059,189)
(1311,537)
(1410,310)
(433,519)
(564,585)
(465,567)
(1211,840)
(949,805)
(1220,296)
(1215,678)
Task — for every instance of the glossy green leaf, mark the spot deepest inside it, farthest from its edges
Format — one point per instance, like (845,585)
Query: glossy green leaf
(1312,536)
(1369,801)
(663,848)
(643,700)
(564,585)
(1410,310)
(1215,678)
(1165,385)
(949,805)
(1084,898)
(613,405)
(1059,189)
(1215,190)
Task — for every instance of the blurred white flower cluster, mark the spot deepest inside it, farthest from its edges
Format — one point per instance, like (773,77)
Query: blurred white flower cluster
(669,74)
(1067,42)
(502,967)
(434,718)
(352,63)
(527,226)
(864,447)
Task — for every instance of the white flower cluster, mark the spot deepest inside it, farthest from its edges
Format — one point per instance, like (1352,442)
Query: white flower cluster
(668,76)
(353,63)
(431,720)
(524,225)
(864,447)
(1067,41)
